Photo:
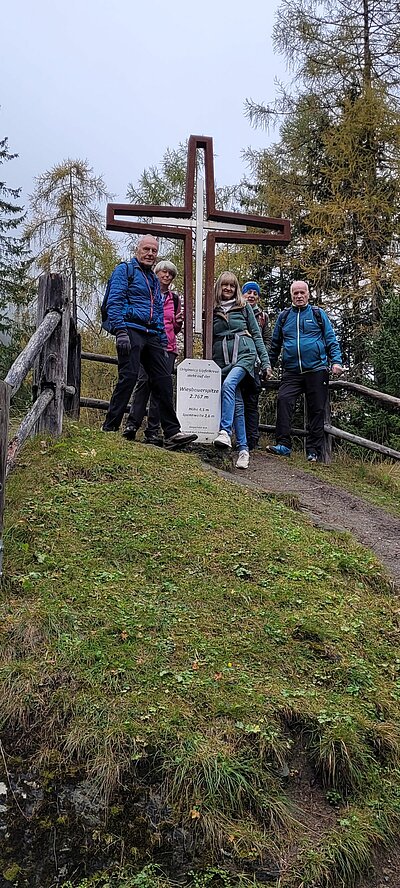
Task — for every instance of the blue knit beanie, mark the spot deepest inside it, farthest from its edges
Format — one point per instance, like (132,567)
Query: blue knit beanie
(251,285)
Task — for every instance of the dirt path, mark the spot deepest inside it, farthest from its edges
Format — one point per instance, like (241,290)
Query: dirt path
(327,506)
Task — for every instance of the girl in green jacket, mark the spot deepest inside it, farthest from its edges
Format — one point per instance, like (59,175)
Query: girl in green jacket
(237,342)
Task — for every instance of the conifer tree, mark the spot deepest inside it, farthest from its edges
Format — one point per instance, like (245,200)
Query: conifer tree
(68,229)
(14,261)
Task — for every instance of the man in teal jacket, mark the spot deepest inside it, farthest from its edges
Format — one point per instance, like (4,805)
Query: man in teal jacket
(309,349)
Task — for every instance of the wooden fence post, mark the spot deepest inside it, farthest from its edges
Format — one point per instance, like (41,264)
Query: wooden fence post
(326,455)
(4,419)
(72,402)
(51,366)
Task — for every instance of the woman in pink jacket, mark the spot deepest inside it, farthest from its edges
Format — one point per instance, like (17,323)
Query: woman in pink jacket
(173,320)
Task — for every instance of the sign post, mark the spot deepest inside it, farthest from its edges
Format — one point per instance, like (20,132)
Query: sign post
(199,398)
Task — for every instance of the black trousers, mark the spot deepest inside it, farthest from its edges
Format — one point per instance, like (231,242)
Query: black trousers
(251,389)
(141,397)
(146,349)
(314,385)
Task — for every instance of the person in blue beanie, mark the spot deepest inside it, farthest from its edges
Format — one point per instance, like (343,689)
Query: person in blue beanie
(309,348)
(237,344)
(251,387)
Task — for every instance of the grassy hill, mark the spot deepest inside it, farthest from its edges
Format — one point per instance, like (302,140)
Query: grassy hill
(203,688)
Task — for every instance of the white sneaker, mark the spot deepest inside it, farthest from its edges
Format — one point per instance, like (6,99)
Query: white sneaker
(223,440)
(243,460)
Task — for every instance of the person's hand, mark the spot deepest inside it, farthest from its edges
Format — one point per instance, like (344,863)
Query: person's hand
(179,317)
(267,374)
(337,369)
(123,343)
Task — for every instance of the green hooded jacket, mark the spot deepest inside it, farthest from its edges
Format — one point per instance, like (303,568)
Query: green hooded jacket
(237,340)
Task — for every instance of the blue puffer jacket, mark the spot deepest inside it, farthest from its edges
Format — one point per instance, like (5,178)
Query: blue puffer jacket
(135,303)
(305,346)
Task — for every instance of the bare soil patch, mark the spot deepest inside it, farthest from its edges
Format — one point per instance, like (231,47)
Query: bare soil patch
(386,872)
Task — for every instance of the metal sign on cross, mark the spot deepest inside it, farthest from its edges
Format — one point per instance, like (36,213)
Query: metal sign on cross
(219,226)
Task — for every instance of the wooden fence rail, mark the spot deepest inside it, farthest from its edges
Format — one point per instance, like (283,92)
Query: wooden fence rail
(382,397)
(27,426)
(25,361)
(103,359)
(273,385)
(361,442)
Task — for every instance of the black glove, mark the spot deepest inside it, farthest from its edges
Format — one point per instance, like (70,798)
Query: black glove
(123,343)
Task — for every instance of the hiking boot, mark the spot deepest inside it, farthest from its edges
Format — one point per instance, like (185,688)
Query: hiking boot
(179,440)
(105,428)
(243,460)
(154,439)
(129,432)
(223,440)
(279,450)
(312,458)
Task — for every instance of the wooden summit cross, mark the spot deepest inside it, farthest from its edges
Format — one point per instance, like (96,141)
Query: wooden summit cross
(181,222)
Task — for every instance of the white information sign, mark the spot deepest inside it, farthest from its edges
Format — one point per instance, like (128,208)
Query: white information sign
(199,398)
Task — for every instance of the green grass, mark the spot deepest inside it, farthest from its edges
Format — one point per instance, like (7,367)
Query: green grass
(161,627)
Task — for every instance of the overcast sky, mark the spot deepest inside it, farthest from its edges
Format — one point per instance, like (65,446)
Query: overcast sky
(116,82)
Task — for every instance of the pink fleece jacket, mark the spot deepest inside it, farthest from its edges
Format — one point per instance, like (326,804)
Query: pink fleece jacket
(172,327)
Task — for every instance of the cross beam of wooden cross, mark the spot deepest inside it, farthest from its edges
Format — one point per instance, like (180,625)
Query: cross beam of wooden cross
(181,223)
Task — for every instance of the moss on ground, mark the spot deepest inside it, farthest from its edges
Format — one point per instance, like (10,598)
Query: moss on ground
(160,626)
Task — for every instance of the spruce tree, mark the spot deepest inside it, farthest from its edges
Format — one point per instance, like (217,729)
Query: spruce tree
(14,261)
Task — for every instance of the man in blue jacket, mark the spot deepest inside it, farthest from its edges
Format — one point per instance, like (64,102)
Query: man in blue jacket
(135,316)
(309,349)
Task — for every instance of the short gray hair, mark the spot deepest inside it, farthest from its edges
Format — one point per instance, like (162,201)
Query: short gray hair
(293,284)
(165,265)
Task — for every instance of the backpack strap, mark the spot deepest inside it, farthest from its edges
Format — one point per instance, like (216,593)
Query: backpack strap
(130,271)
(283,317)
(315,310)
(318,317)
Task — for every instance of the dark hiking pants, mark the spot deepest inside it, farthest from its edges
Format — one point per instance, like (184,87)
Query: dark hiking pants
(314,385)
(251,389)
(147,350)
(140,398)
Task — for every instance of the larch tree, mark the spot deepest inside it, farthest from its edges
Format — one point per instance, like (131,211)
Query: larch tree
(68,230)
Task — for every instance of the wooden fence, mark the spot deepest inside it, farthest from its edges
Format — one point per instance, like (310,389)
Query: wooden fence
(54,353)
